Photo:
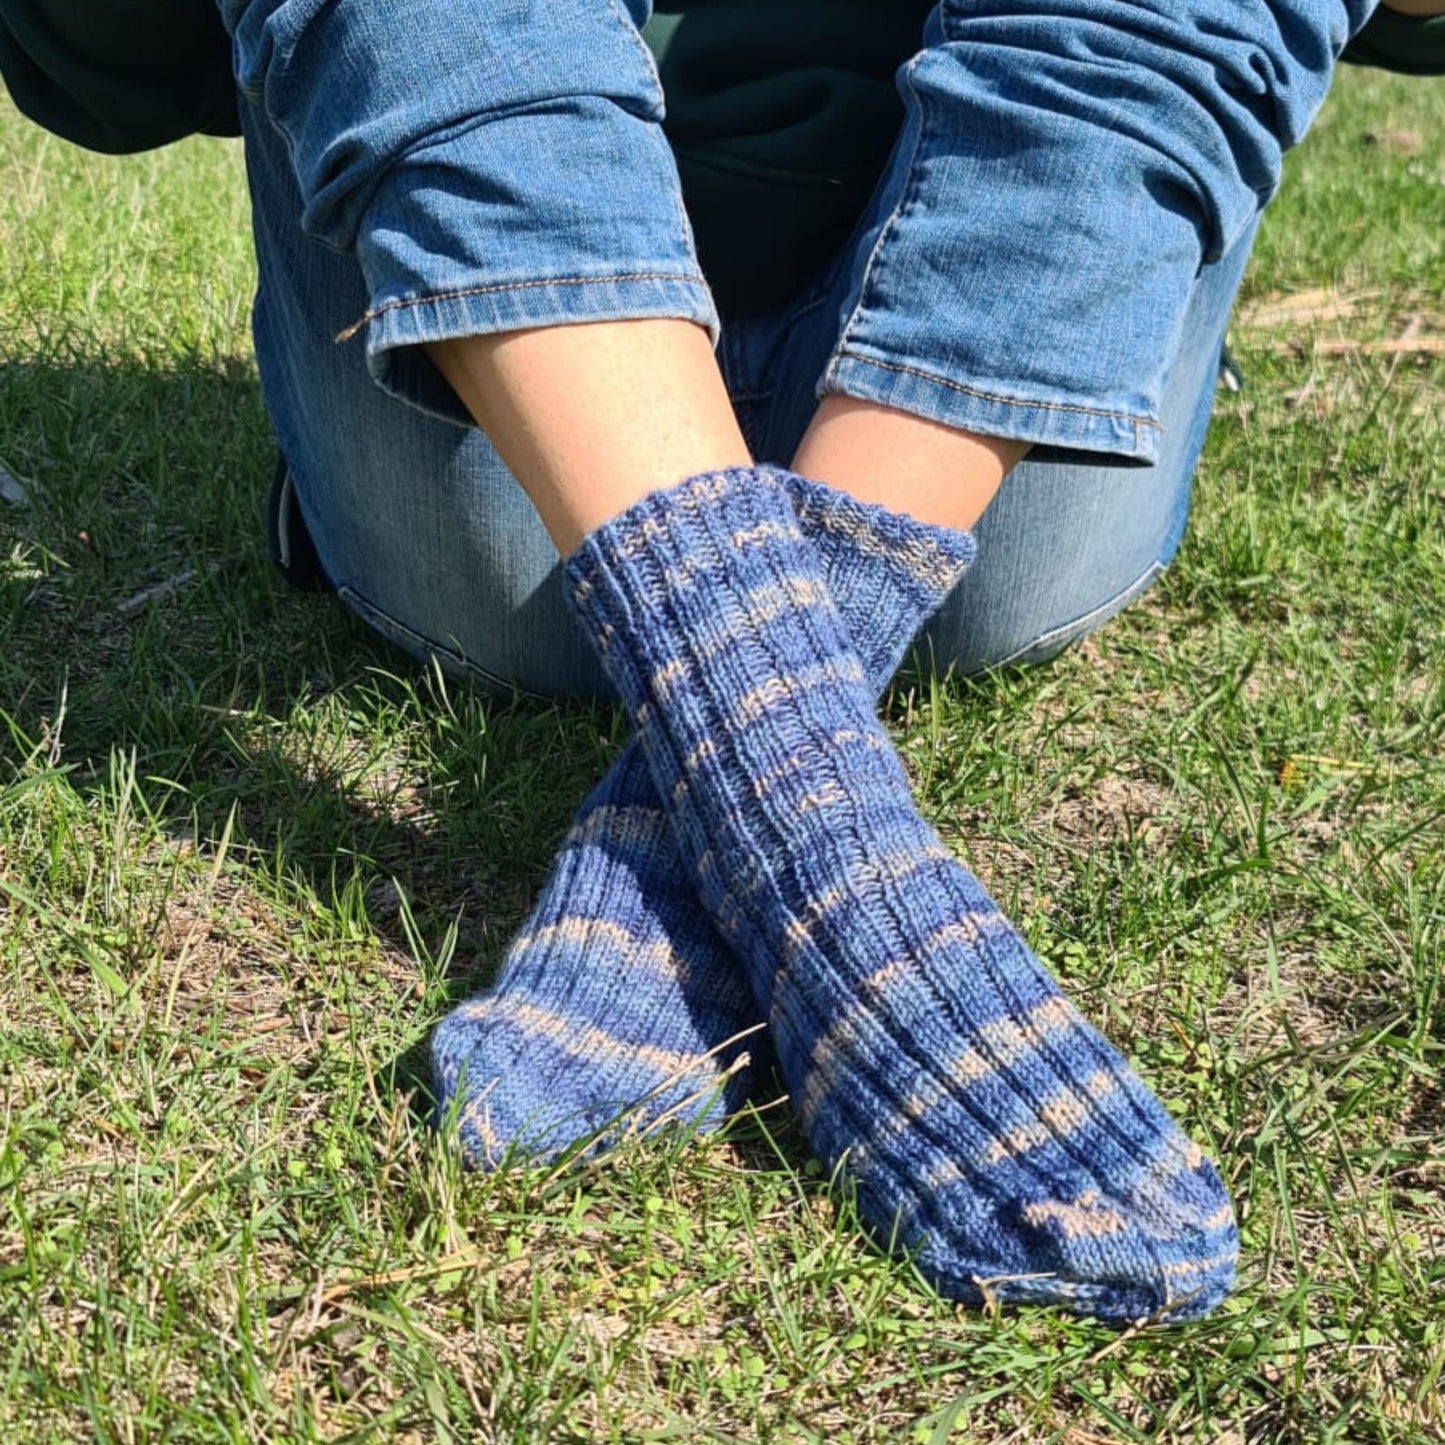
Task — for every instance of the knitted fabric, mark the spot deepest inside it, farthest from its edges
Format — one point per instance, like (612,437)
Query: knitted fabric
(986,1126)
(618,1008)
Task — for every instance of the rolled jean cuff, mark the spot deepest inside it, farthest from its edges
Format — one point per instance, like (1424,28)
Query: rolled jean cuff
(484,231)
(398,330)
(1061,424)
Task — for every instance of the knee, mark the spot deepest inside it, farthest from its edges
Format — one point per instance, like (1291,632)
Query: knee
(978,629)
(450,564)
(1061,550)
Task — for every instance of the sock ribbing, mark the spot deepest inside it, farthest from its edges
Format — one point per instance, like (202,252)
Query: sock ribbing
(618,1007)
(979,1115)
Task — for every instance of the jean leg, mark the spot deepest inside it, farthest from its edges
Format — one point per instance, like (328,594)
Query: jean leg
(1065,171)
(1068,543)
(416,521)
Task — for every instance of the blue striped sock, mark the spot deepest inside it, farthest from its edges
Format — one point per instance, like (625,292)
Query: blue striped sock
(618,1006)
(985,1124)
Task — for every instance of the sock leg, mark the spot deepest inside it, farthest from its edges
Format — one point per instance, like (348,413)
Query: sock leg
(984,1122)
(610,1011)
(618,1006)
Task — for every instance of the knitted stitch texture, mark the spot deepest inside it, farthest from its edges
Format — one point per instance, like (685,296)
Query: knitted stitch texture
(618,1007)
(986,1126)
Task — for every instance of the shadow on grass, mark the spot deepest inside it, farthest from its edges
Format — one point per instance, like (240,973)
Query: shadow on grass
(139,614)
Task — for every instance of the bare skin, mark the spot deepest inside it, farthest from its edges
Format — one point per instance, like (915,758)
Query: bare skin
(932,472)
(590,418)
(906,463)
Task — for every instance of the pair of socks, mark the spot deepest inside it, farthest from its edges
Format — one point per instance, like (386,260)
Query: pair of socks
(619,1007)
(986,1127)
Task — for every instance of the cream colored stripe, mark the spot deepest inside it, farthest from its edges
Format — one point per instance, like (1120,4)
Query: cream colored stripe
(1062,1114)
(596,1043)
(963,930)
(827,1069)
(757,610)
(1086,1218)
(927,564)
(757,703)
(579,931)
(1199,1266)
(970,1064)
(891,868)
(830,795)
(703,752)
(668,675)
(796,939)
(621,825)
(476,1009)
(704,489)
(807,757)
(1182,1156)
(942,1174)
(765,531)
(1221,1216)
(702,494)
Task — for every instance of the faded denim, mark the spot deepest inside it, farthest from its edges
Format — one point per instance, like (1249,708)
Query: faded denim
(1051,255)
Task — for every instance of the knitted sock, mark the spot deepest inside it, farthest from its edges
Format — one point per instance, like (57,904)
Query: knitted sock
(984,1123)
(618,1006)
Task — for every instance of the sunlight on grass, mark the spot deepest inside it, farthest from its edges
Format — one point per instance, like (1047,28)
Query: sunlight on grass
(248,857)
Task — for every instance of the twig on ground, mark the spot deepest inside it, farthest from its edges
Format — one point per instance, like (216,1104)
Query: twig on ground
(159,591)
(1428,345)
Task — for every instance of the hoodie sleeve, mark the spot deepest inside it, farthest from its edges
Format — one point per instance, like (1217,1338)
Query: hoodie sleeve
(119,75)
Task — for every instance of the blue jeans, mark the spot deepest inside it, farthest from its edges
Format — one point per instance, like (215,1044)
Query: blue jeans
(1051,254)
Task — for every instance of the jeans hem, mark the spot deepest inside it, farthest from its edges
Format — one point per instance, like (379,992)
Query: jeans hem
(1044,646)
(1049,644)
(1080,428)
(397,329)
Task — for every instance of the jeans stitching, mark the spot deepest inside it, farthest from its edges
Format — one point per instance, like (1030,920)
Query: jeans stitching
(392,629)
(1081,626)
(470,291)
(684,226)
(903,196)
(1137,422)
(842,351)
(624,24)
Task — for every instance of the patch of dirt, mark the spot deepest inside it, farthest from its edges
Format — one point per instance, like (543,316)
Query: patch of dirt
(1402,140)
(1115,807)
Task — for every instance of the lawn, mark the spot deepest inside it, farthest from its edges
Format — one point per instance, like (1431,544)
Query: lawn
(249,856)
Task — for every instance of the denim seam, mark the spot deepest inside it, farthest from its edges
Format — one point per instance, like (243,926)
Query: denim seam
(1066,633)
(470,291)
(1139,423)
(385,623)
(626,26)
(842,349)
(808,308)
(684,226)
(903,196)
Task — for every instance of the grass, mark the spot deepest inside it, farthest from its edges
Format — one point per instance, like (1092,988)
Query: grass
(248,857)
